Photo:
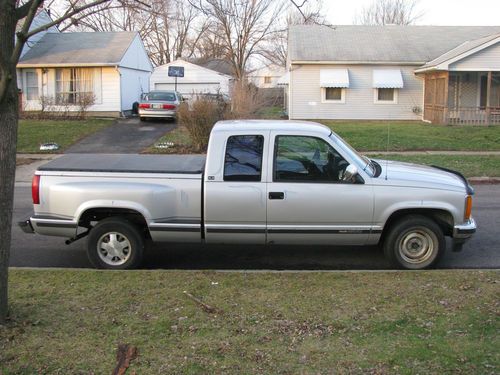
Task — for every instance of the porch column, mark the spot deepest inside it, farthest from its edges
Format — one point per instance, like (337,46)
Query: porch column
(488,99)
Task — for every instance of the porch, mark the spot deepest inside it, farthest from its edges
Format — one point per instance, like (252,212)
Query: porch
(462,97)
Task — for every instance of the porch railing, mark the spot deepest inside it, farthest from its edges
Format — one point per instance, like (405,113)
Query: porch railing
(473,116)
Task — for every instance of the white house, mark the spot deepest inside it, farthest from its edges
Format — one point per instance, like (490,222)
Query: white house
(383,72)
(267,76)
(63,70)
(196,80)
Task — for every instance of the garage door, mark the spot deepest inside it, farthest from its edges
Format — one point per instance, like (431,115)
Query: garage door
(188,89)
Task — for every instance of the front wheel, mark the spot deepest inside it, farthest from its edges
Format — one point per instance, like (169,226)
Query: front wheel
(415,242)
(115,243)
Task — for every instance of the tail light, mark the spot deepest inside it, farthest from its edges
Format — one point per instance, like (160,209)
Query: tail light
(35,189)
(144,105)
(168,106)
(468,207)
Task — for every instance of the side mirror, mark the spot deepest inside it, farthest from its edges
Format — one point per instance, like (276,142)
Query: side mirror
(350,173)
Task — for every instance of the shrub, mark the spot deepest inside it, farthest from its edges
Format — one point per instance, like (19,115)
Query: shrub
(199,117)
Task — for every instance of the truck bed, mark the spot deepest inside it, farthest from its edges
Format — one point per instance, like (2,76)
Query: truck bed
(127,163)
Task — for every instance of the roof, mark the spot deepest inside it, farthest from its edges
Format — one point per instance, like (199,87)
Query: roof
(263,125)
(462,49)
(372,44)
(218,65)
(85,48)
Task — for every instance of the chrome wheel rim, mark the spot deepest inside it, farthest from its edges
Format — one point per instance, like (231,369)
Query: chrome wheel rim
(114,248)
(417,245)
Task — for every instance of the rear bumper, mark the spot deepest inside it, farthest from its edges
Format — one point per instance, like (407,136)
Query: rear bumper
(26,226)
(156,113)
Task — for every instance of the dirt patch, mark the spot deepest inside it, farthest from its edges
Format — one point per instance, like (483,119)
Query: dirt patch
(25,161)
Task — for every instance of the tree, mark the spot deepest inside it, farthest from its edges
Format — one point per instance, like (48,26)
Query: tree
(245,25)
(304,12)
(389,12)
(12,13)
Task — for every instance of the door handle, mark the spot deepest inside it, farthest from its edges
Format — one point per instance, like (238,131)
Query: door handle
(276,195)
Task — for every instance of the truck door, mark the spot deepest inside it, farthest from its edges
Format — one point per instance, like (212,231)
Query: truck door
(235,189)
(308,203)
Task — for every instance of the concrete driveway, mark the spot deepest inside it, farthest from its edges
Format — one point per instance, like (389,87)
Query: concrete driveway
(126,136)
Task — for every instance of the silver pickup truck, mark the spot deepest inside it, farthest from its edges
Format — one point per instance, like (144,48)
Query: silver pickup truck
(261,182)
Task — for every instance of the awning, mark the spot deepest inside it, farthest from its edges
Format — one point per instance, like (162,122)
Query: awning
(284,79)
(334,78)
(387,79)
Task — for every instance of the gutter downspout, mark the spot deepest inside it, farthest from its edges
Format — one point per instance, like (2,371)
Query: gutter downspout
(117,68)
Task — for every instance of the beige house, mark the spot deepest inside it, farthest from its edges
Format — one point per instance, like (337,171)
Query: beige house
(382,72)
(267,76)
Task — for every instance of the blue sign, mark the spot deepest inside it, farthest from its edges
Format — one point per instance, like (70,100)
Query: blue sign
(176,71)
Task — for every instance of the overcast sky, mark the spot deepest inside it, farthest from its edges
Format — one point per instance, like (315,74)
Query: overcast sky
(436,12)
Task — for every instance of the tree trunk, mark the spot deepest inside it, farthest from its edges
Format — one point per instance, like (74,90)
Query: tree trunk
(8,140)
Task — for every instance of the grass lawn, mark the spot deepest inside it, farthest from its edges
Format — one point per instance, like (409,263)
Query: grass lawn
(180,139)
(69,322)
(64,132)
(468,165)
(410,136)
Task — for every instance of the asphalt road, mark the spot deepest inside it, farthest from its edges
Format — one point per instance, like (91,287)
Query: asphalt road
(482,251)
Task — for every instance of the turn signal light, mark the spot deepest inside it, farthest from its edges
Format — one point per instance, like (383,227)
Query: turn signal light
(468,207)
(35,189)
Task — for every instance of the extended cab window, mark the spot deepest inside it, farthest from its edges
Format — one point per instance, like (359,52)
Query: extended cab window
(311,159)
(243,161)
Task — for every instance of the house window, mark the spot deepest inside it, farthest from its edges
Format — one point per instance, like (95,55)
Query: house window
(386,95)
(333,95)
(267,79)
(74,85)
(31,85)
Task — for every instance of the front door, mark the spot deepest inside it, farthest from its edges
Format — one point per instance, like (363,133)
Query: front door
(308,202)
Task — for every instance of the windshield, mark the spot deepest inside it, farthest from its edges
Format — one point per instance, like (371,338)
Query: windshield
(363,162)
(168,96)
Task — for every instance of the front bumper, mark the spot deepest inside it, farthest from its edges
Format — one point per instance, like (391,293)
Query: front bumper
(462,232)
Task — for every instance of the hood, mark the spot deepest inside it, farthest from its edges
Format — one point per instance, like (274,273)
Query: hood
(416,175)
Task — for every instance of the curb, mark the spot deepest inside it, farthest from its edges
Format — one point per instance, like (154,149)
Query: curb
(484,180)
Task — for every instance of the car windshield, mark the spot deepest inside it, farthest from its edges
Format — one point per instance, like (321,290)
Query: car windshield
(362,161)
(168,96)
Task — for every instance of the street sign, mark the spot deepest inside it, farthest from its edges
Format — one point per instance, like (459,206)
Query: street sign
(176,71)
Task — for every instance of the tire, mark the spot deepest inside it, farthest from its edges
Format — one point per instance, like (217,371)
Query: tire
(126,249)
(415,242)
(142,119)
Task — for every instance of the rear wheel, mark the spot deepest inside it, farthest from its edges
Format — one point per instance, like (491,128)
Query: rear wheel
(415,242)
(115,243)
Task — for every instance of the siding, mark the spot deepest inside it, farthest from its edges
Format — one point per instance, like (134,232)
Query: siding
(305,95)
(136,57)
(487,59)
(196,79)
(134,83)
(107,90)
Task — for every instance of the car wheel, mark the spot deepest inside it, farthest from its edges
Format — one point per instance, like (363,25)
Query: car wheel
(415,242)
(115,243)
(142,119)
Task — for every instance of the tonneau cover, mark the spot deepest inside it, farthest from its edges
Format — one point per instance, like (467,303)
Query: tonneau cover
(127,163)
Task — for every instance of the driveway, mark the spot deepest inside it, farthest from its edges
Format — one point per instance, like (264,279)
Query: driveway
(126,136)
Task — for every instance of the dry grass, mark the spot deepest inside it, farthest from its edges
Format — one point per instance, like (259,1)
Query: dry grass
(266,323)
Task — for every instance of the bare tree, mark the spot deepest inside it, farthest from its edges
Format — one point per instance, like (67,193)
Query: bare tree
(168,28)
(12,13)
(387,12)
(245,25)
(304,12)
